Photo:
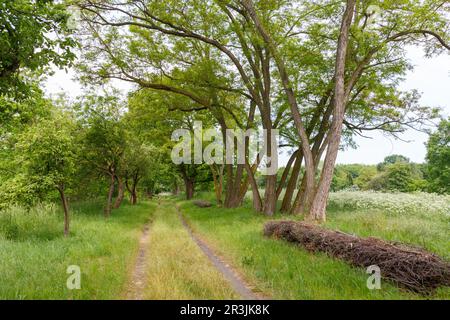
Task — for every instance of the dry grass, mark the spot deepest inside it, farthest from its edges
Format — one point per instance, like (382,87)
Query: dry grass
(176,268)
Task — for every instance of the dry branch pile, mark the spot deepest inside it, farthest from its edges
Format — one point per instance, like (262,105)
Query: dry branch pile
(410,267)
(202,203)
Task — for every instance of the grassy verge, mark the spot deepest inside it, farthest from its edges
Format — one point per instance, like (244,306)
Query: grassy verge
(288,272)
(34,255)
(177,268)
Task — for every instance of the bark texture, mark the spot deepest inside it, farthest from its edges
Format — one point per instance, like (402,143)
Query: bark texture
(318,207)
(65,206)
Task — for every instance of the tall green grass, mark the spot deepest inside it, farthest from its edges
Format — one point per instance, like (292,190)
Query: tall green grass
(176,267)
(286,271)
(34,255)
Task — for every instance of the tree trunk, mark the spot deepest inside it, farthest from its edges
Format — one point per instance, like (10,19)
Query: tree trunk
(257,202)
(292,101)
(318,207)
(286,205)
(189,181)
(270,195)
(229,184)
(286,172)
(299,206)
(236,196)
(218,182)
(66,210)
(133,196)
(108,207)
(121,193)
(190,186)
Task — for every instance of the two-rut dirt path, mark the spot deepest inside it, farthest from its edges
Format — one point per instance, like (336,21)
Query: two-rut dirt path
(138,282)
(229,273)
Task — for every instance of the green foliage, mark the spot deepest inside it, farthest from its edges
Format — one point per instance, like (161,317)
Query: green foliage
(33,34)
(400,176)
(43,158)
(395,173)
(289,272)
(392,159)
(348,176)
(48,151)
(34,255)
(366,174)
(103,136)
(438,157)
(16,114)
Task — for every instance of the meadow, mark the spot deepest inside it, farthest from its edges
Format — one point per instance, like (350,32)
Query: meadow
(34,254)
(285,271)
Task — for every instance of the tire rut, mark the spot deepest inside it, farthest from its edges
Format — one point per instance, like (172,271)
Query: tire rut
(239,285)
(139,279)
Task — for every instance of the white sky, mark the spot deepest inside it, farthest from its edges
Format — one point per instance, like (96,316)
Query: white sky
(431,77)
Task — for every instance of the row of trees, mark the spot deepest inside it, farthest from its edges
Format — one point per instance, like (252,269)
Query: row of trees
(397,173)
(318,71)
(77,150)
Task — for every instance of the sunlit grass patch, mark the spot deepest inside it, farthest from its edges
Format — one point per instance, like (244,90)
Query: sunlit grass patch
(177,268)
(33,265)
(286,271)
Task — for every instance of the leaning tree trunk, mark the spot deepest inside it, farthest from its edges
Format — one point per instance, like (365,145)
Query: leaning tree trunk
(121,193)
(65,208)
(291,99)
(318,207)
(286,205)
(108,207)
(257,202)
(286,172)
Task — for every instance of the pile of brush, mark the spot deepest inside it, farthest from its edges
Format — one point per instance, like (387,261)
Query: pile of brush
(410,267)
(202,203)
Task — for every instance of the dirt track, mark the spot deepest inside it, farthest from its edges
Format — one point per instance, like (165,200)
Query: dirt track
(236,282)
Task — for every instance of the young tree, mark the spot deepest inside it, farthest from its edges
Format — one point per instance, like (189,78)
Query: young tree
(140,161)
(103,141)
(48,154)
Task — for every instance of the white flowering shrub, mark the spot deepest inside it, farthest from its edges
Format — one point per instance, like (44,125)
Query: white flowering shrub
(391,203)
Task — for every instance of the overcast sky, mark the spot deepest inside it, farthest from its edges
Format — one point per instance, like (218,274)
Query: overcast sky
(431,77)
